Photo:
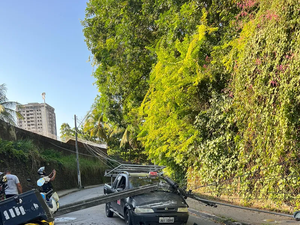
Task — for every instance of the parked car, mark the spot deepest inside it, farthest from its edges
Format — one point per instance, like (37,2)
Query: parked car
(165,205)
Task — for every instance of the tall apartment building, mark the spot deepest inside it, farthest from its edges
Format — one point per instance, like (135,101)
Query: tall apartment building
(38,118)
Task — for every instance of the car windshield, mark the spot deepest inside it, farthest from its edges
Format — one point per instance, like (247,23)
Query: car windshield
(135,182)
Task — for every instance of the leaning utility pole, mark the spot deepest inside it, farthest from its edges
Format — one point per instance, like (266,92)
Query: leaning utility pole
(77,157)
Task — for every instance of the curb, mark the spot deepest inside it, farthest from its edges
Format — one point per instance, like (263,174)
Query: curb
(225,221)
(62,193)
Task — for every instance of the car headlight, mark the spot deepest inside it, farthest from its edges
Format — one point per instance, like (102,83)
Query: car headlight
(143,210)
(182,209)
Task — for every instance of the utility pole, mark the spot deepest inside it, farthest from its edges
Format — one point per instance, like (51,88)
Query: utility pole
(77,157)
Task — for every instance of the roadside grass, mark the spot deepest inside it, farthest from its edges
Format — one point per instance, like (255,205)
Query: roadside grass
(69,161)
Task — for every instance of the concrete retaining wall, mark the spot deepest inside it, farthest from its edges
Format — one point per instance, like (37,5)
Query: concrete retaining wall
(25,169)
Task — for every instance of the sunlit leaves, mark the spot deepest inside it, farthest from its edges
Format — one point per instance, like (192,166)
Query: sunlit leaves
(212,85)
(172,102)
(264,71)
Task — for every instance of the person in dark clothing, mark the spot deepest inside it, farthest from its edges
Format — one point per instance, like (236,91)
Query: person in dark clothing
(47,186)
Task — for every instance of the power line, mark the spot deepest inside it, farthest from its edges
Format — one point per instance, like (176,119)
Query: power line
(241,207)
(88,113)
(103,155)
(70,150)
(100,156)
(87,148)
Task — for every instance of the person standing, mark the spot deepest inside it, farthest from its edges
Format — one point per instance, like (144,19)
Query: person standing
(13,185)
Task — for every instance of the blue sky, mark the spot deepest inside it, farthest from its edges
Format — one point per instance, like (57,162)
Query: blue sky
(42,49)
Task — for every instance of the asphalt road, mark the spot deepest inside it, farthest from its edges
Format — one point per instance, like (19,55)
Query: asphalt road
(96,215)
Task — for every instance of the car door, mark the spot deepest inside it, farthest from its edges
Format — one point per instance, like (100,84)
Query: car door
(114,190)
(121,185)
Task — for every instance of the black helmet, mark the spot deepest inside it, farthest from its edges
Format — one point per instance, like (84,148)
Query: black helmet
(41,171)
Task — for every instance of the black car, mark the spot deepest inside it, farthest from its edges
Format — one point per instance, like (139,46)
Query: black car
(165,205)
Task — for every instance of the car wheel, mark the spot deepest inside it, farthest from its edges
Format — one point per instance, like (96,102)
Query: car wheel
(109,213)
(128,219)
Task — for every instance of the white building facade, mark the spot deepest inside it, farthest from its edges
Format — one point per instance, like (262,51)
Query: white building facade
(38,118)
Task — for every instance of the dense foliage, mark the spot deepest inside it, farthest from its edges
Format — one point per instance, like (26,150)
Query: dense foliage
(23,158)
(7,108)
(208,88)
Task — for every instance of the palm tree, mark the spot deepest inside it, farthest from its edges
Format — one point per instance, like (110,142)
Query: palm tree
(122,143)
(66,131)
(7,108)
(96,126)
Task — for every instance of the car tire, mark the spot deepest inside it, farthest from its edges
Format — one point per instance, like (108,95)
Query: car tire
(127,217)
(108,212)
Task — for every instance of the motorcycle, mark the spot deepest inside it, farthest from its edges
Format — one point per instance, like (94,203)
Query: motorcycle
(51,198)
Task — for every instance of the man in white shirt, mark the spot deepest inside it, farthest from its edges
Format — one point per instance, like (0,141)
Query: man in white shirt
(13,185)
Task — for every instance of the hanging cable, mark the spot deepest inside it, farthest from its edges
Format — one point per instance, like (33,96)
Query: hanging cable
(102,156)
(70,150)
(95,155)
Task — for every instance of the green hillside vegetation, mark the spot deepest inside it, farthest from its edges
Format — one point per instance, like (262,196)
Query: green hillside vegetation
(24,158)
(207,88)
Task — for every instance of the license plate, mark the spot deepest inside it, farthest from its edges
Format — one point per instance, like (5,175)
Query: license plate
(166,219)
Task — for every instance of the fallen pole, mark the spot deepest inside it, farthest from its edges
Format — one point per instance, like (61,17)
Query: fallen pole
(76,206)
